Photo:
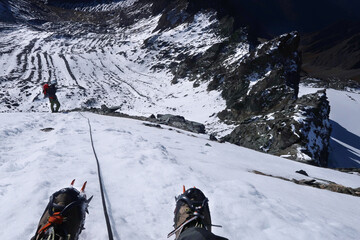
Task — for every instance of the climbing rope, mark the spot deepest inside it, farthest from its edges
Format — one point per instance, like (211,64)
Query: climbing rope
(108,225)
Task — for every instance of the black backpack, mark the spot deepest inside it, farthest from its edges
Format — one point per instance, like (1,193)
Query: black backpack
(52,90)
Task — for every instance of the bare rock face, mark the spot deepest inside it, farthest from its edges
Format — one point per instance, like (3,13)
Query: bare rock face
(312,114)
(301,131)
(180,122)
(262,98)
(266,79)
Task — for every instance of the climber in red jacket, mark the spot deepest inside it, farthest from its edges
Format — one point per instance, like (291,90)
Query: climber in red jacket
(50,91)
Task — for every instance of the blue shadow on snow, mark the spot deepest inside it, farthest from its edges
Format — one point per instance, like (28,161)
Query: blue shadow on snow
(341,156)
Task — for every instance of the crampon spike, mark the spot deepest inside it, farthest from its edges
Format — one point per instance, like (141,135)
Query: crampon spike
(87,202)
(213,225)
(183,188)
(72,182)
(83,187)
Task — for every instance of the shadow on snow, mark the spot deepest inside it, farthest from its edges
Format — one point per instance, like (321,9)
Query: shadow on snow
(344,148)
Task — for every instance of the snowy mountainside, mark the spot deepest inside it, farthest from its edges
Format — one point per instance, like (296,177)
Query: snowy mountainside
(144,168)
(94,66)
(148,57)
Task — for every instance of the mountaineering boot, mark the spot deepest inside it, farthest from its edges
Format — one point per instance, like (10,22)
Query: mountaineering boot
(192,218)
(192,204)
(64,216)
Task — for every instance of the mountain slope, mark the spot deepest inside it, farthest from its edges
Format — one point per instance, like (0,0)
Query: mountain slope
(143,169)
(145,58)
(333,53)
(95,64)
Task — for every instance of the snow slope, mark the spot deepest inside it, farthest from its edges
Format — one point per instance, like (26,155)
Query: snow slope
(144,168)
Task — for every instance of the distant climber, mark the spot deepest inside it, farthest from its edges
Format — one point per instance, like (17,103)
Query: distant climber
(192,219)
(50,92)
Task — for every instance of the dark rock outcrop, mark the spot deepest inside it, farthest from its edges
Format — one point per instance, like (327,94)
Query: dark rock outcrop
(180,122)
(265,81)
(301,131)
(318,183)
(261,97)
(166,119)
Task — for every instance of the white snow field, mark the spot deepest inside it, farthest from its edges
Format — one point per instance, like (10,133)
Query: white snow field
(143,168)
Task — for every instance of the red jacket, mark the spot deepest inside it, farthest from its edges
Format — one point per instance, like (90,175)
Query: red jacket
(50,92)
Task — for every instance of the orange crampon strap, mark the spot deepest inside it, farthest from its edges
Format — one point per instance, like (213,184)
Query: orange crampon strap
(56,218)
